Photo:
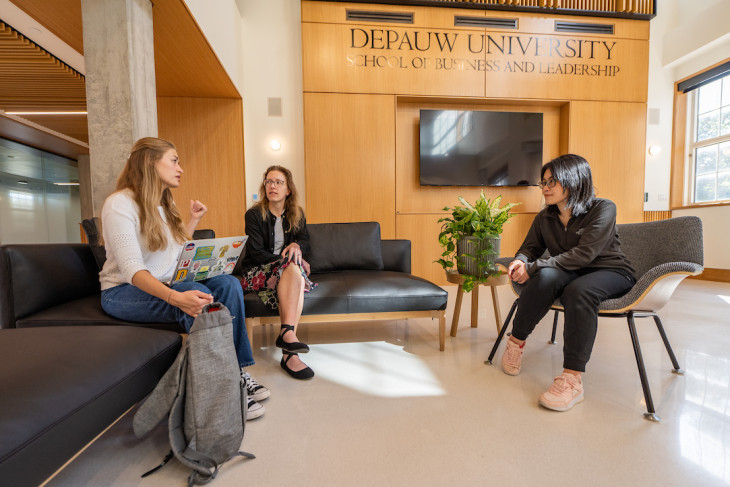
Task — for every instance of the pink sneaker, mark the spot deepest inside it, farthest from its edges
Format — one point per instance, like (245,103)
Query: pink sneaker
(512,358)
(566,392)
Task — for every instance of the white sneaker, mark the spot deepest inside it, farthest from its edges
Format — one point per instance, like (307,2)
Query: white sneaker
(253,409)
(253,388)
(566,392)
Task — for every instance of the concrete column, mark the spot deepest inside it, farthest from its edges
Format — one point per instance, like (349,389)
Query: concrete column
(120,86)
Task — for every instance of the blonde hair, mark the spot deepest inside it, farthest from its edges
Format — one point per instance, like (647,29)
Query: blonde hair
(292,210)
(140,176)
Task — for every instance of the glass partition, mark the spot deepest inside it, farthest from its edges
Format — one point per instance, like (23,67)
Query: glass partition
(39,196)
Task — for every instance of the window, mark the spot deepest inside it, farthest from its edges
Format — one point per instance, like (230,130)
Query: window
(709,142)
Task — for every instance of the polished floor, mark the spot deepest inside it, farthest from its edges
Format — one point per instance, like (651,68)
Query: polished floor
(388,408)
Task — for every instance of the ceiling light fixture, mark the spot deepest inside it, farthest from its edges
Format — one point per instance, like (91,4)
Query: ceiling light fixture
(66,184)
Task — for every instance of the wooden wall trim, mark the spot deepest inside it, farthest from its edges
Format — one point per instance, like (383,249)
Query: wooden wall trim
(679,197)
(710,274)
(654,216)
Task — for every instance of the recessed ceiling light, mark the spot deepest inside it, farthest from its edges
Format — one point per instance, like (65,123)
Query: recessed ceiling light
(66,184)
(22,182)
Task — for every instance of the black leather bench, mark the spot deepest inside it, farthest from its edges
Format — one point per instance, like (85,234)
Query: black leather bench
(360,277)
(62,380)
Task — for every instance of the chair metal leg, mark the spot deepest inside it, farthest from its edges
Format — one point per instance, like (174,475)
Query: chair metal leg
(555,327)
(675,363)
(651,413)
(501,332)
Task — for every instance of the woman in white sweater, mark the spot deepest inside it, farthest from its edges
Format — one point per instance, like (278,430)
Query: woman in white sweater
(143,234)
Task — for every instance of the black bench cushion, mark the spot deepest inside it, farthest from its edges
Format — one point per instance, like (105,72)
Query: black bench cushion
(344,246)
(362,292)
(85,311)
(39,276)
(62,386)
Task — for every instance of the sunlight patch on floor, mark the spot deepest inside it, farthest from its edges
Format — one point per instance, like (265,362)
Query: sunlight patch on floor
(375,368)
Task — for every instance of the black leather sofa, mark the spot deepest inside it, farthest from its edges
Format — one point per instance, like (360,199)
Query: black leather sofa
(360,277)
(62,381)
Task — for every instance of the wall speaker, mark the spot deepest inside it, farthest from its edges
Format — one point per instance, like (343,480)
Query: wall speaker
(274,107)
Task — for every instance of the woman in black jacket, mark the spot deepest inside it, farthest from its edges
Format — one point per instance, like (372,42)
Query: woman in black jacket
(274,264)
(585,266)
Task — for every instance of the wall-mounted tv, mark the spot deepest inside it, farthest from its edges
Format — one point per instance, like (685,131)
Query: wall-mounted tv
(480,148)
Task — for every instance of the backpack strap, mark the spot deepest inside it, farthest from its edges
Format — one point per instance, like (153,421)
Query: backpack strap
(164,462)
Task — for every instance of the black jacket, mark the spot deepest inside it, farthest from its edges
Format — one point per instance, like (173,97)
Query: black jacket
(260,244)
(589,241)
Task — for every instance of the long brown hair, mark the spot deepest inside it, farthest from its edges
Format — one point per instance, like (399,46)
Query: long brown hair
(292,210)
(140,176)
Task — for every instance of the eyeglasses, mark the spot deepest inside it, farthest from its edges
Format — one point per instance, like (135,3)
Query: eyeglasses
(550,183)
(271,182)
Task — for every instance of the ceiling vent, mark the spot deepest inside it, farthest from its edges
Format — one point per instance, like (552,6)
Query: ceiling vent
(371,16)
(583,28)
(484,22)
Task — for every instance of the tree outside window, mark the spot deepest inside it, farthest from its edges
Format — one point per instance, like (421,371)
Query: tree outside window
(711,142)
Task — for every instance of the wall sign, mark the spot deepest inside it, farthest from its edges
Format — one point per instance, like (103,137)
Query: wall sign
(506,53)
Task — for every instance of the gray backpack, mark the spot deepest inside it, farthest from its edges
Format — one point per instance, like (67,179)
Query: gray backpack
(203,394)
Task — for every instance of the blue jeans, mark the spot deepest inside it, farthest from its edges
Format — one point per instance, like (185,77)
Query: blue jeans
(127,302)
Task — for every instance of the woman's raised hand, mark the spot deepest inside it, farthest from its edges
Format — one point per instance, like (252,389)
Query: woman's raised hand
(197,209)
(191,302)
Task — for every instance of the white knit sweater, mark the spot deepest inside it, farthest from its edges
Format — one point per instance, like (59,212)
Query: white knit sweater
(126,252)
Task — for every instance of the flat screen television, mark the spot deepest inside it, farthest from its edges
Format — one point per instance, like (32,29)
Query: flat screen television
(480,148)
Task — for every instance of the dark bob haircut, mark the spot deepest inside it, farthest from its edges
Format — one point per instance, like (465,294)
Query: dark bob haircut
(574,173)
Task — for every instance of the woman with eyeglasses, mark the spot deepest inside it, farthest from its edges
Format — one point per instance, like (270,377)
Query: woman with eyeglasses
(143,234)
(585,266)
(274,265)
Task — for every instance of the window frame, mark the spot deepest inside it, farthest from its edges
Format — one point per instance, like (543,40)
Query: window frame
(693,145)
(682,185)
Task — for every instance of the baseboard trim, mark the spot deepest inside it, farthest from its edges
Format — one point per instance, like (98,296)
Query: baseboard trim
(709,274)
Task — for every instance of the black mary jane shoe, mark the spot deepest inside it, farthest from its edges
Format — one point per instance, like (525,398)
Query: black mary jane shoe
(293,347)
(303,374)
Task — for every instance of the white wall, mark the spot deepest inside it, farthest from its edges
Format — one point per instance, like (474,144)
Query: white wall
(660,101)
(260,44)
(221,26)
(272,63)
(687,36)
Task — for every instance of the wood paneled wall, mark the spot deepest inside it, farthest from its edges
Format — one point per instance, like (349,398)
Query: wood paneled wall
(208,134)
(361,122)
(350,159)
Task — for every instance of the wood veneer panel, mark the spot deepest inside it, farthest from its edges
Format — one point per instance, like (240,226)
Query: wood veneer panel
(679,134)
(611,136)
(61,17)
(330,65)
(423,230)
(208,134)
(349,155)
(414,198)
(335,12)
(185,64)
(532,61)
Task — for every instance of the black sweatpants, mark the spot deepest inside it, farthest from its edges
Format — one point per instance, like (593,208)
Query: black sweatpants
(580,293)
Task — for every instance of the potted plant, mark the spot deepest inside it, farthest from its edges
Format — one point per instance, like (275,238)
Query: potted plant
(470,238)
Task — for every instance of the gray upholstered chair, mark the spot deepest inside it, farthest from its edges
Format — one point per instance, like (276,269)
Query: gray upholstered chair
(663,253)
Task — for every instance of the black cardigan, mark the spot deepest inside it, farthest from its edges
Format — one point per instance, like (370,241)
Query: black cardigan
(260,243)
(589,240)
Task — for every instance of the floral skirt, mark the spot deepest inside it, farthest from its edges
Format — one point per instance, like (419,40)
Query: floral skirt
(264,279)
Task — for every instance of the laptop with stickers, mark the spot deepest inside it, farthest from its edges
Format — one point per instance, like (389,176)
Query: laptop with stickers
(206,258)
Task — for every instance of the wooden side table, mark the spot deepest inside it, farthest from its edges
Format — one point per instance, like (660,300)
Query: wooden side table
(456,278)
